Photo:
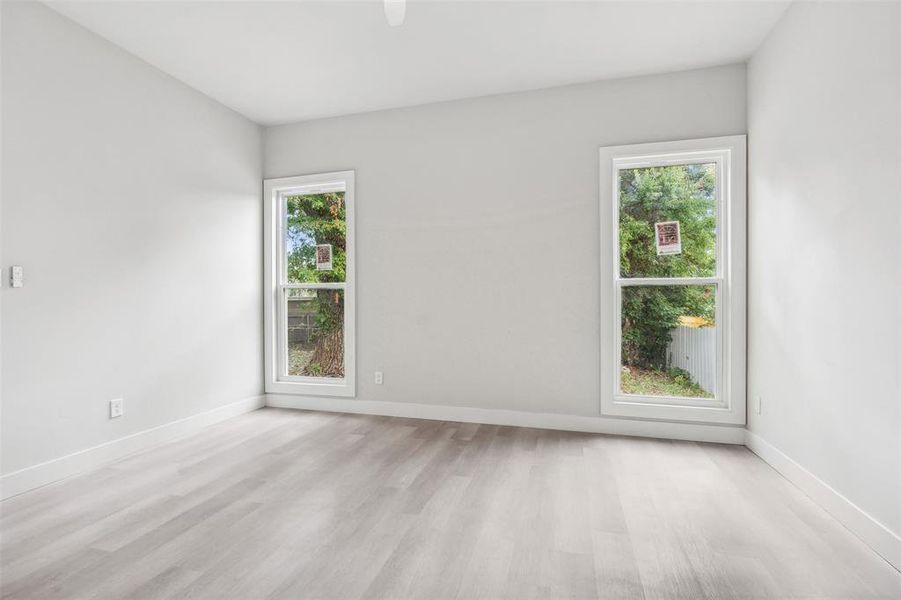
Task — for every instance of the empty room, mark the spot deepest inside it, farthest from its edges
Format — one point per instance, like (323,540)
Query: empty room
(450,300)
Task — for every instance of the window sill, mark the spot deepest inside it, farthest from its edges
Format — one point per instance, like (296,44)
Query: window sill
(341,388)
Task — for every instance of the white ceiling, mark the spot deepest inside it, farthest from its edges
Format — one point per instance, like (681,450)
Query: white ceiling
(277,62)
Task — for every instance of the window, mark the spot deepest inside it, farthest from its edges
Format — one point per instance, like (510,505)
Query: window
(673,288)
(310,284)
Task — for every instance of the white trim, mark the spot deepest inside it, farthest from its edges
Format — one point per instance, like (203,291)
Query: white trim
(874,534)
(669,281)
(698,432)
(273,259)
(328,285)
(41,474)
(729,155)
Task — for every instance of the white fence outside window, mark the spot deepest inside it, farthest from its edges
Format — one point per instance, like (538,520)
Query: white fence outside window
(693,349)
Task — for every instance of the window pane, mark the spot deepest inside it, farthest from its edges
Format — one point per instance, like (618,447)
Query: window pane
(315,238)
(669,341)
(315,333)
(653,202)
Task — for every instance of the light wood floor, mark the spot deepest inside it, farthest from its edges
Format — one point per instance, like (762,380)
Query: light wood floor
(291,504)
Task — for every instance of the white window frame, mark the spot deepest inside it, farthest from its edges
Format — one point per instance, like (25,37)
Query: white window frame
(729,154)
(275,314)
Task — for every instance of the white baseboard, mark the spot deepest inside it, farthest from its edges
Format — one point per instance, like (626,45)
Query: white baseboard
(873,533)
(36,476)
(725,434)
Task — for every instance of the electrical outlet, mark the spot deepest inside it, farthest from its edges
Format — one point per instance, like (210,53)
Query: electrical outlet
(16,276)
(758,405)
(116,408)
(379,378)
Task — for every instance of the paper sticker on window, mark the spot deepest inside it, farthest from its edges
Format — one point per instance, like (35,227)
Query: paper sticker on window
(323,257)
(668,238)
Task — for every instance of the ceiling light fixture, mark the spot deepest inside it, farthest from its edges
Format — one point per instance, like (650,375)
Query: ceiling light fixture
(395,11)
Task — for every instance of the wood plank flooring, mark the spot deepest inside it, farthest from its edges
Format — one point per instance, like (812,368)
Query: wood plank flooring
(293,504)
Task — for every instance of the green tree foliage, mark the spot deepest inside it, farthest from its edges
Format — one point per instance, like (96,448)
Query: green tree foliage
(683,193)
(316,219)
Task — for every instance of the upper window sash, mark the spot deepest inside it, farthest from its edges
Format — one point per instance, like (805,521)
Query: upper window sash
(283,198)
(719,158)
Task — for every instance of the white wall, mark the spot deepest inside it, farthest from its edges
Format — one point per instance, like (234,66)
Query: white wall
(477,231)
(823,122)
(133,202)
